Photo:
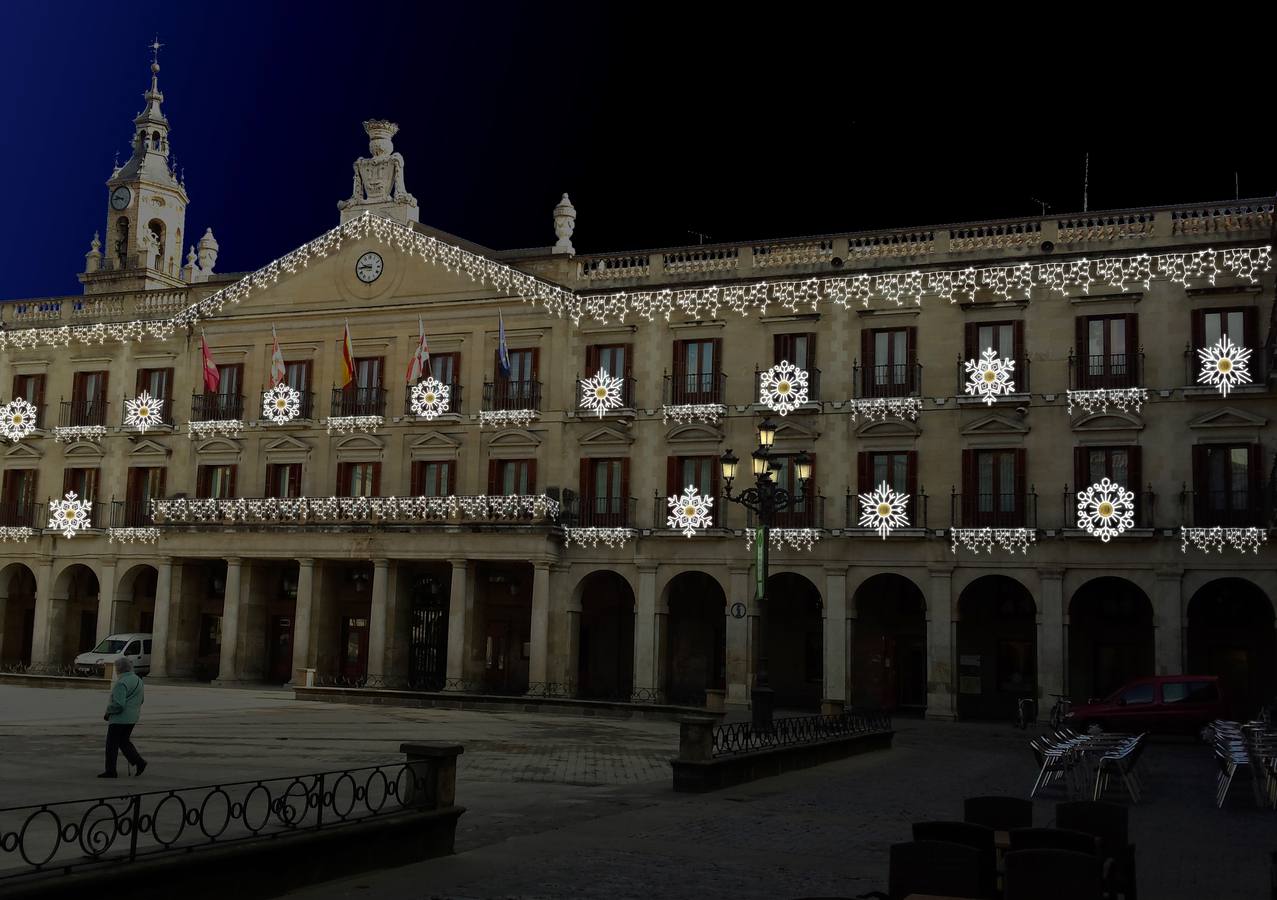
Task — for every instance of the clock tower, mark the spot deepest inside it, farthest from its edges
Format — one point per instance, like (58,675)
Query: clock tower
(146,213)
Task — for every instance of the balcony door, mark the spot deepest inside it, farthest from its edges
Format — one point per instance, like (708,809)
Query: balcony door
(88,398)
(1107,348)
(18,505)
(993,488)
(605,490)
(888,358)
(696,367)
(144,485)
(1226,484)
(518,389)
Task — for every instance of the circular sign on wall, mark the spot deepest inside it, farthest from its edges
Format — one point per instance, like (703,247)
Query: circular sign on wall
(738,610)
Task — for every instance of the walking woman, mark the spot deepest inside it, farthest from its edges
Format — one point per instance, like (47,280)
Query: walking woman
(122,714)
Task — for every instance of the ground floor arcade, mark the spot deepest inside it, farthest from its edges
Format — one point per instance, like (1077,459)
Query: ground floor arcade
(509,614)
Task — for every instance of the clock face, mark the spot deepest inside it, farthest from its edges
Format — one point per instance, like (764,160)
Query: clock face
(120,197)
(368,268)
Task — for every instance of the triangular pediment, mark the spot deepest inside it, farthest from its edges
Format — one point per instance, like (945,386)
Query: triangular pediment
(694,432)
(514,437)
(21,450)
(994,423)
(1109,421)
(888,428)
(358,442)
(84,450)
(286,444)
(220,445)
(607,436)
(435,440)
(796,429)
(1228,417)
(148,447)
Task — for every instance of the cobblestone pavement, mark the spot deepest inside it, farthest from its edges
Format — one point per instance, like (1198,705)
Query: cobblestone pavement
(569,807)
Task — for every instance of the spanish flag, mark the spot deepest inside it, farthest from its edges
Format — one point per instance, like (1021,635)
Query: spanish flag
(347,358)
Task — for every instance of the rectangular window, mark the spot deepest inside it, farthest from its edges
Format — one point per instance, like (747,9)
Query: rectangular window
(83,481)
(993,488)
(31,389)
(802,509)
(512,476)
(1213,324)
(522,366)
(1117,464)
(364,395)
(898,468)
(433,478)
(215,482)
(144,485)
(888,359)
(18,504)
(156,382)
(358,479)
(605,492)
(284,480)
(697,365)
(519,389)
(1226,484)
(368,371)
(799,349)
(1006,339)
(88,398)
(446,367)
(1107,351)
(700,471)
(297,375)
(615,360)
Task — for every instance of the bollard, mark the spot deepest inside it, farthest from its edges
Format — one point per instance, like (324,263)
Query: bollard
(832,707)
(715,700)
(304,678)
(696,738)
(433,769)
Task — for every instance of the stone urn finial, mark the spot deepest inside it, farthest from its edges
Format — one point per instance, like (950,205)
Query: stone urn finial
(564,225)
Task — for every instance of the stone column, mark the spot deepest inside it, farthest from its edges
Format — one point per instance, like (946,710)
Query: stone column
(647,686)
(377,619)
(226,671)
(460,625)
(567,649)
(835,636)
(106,623)
(4,612)
(1168,621)
(942,621)
(538,655)
(160,624)
(740,658)
(46,637)
(1050,628)
(302,615)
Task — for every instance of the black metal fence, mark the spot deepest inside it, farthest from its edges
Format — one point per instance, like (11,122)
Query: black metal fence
(80,413)
(76,835)
(504,394)
(691,388)
(894,380)
(216,407)
(1107,370)
(359,401)
(743,737)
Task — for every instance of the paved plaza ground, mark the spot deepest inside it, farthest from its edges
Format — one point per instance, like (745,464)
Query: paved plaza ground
(569,807)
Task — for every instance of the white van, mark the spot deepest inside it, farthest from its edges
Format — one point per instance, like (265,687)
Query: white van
(137,647)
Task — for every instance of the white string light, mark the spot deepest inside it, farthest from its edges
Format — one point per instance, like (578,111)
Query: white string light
(17,534)
(67,434)
(795,538)
(615,538)
(1125,399)
(211,427)
(507,418)
(350,424)
(685,413)
(1009,540)
(1208,539)
(300,510)
(132,535)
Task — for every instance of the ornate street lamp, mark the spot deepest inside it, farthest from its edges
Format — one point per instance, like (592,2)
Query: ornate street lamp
(766,498)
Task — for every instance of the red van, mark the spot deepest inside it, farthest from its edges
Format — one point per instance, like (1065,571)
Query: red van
(1167,703)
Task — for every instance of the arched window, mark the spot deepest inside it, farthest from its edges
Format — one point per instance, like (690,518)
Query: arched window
(157,243)
(155,140)
(122,243)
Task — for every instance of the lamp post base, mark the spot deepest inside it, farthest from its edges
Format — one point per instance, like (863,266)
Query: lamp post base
(762,702)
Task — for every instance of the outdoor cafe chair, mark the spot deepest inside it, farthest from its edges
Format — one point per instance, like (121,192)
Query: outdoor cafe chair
(998,813)
(1109,822)
(1053,875)
(969,835)
(931,867)
(1054,839)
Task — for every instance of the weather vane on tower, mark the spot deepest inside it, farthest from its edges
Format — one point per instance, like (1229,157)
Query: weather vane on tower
(155,46)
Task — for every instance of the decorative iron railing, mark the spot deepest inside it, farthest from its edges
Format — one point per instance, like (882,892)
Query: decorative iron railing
(216,407)
(1105,370)
(359,401)
(77,835)
(743,737)
(81,413)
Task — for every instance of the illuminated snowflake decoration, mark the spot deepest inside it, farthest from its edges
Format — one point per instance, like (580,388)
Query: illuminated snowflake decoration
(883,510)
(69,515)
(1105,510)
(601,393)
(281,404)
(691,511)
(990,376)
(1224,365)
(17,419)
(143,412)
(783,388)
(430,398)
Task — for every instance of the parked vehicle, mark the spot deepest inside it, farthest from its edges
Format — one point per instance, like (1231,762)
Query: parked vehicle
(1166,703)
(137,647)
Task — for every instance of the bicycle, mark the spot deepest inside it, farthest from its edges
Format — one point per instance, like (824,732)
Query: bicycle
(1026,713)
(1060,710)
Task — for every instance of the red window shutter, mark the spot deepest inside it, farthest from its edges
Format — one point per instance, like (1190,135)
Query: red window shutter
(376,479)
(680,361)
(1198,330)
(1132,346)
(911,482)
(1135,473)
(1083,355)
(781,345)
(231,481)
(496,365)
(1018,352)
(415,478)
(673,465)
(532,476)
(587,487)
(970,348)
(970,487)
(1200,486)
(67,481)
(629,359)
(102,394)
(16,380)
(866,361)
(343,479)
(1081,468)
(864,471)
(1250,324)
(715,481)
(201,482)
(141,380)
(625,489)
(494,476)
(1255,475)
(591,360)
(1021,486)
(272,481)
(449,475)
(811,350)
(295,479)
(718,356)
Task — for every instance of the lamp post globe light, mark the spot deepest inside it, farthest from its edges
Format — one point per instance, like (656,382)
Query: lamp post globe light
(765,498)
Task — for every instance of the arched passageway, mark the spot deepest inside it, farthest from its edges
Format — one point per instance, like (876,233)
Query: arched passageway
(1110,638)
(792,626)
(17,614)
(696,646)
(605,642)
(1230,634)
(997,648)
(889,649)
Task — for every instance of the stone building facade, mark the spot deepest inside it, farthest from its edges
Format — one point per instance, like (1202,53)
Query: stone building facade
(518,541)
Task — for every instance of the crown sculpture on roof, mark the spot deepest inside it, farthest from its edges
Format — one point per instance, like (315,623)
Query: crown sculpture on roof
(379,180)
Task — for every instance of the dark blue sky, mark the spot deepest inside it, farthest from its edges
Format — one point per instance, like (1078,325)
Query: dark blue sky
(661,121)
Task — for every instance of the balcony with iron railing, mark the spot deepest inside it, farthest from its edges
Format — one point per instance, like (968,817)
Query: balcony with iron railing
(1019,377)
(454,399)
(917,510)
(697,388)
(82,413)
(162,406)
(1145,506)
(604,512)
(893,380)
(1111,370)
(1225,508)
(306,405)
(813,385)
(216,407)
(993,510)
(21,512)
(1257,365)
(503,394)
(628,388)
(358,401)
(810,513)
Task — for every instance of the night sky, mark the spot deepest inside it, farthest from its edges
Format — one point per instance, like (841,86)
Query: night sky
(737,122)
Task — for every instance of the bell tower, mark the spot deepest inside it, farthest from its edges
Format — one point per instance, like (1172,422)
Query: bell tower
(146,210)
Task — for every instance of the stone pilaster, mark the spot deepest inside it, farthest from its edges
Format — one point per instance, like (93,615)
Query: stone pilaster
(1050,636)
(836,651)
(377,618)
(226,670)
(941,624)
(1168,622)
(303,616)
(160,623)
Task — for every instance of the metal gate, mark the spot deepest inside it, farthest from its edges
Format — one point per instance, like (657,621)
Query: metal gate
(428,647)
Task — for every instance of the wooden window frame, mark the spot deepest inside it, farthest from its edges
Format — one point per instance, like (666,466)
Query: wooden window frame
(870,363)
(1106,378)
(496,474)
(417,476)
(972,515)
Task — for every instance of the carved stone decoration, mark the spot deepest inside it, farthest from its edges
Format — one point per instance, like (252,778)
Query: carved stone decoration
(379,179)
(564,225)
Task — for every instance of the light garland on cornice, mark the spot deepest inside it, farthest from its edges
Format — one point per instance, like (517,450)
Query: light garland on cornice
(210,427)
(614,538)
(685,413)
(797,538)
(1100,398)
(132,535)
(507,418)
(877,409)
(304,510)
(66,434)
(978,539)
(1208,539)
(18,534)
(351,424)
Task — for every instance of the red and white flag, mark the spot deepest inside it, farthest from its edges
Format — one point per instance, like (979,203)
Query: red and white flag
(419,365)
(212,377)
(278,371)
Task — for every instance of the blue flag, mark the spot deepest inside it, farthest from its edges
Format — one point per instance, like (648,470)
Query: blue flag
(503,353)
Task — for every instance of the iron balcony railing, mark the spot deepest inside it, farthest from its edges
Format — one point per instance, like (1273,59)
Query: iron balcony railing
(1112,370)
(504,394)
(1019,377)
(163,407)
(810,514)
(306,403)
(604,512)
(359,401)
(1145,507)
(21,513)
(216,407)
(78,413)
(1227,509)
(1258,364)
(894,380)
(916,510)
(994,510)
(628,385)
(695,388)
(813,385)
(454,399)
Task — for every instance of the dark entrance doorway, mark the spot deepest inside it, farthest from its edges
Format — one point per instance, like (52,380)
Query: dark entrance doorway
(605,664)
(281,649)
(1110,638)
(889,649)
(506,595)
(696,656)
(793,629)
(1230,634)
(354,648)
(428,635)
(997,648)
